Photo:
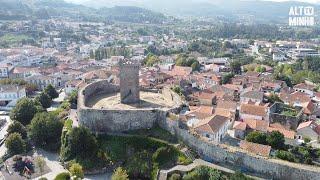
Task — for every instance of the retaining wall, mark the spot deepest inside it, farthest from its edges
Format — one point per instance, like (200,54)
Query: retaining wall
(269,168)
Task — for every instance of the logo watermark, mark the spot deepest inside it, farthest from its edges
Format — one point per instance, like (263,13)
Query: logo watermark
(301,16)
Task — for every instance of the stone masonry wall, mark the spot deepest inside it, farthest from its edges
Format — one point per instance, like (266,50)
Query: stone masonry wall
(271,168)
(106,120)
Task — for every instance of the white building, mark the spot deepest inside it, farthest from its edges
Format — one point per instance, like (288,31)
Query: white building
(10,94)
(301,53)
(277,56)
(5,70)
(214,128)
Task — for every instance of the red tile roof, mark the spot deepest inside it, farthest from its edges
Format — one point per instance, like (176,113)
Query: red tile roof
(259,149)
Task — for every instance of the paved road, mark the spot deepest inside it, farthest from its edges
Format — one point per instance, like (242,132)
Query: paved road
(74,117)
(52,161)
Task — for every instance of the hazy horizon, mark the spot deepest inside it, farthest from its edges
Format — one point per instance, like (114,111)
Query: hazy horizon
(209,1)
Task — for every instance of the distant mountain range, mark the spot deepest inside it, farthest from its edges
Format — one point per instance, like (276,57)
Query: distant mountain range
(29,9)
(257,10)
(152,10)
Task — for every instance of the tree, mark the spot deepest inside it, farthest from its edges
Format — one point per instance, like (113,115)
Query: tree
(24,111)
(40,163)
(195,66)
(276,140)
(45,129)
(120,174)
(227,78)
(44,99)
(82,143)
(91,54)
(17,127)
(73,98)
(274,98)
(257,137)
(15,144)
(51,91)
(260,69)
(76,170)
(235,67)
(151,60)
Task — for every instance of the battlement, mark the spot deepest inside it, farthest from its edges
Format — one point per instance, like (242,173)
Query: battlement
(129,63)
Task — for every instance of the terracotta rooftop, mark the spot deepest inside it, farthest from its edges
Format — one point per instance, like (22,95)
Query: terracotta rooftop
(259,125)
(259,149)
(253,109)
(211,124)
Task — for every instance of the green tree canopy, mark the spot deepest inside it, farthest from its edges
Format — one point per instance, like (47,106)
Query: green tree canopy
(235,67)
(17,127)
(63,176)
(44,99)
(257,137)
(45,129)
(82,143)
(24,111)
(227,78)
(274,98)
(276,140)
(15,144)
(51,91)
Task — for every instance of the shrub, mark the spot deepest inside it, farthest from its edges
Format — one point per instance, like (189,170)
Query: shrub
(120,174)
(203,173)
(76,170)
(257,137)
(175,176)
(306,140)
(285,155)
(63,176)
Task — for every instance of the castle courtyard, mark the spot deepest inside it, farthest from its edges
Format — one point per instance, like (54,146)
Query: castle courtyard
(112,101)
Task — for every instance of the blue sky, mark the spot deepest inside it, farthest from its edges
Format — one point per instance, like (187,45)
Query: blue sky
(310,1)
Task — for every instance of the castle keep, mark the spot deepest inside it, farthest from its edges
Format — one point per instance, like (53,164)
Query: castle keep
(129,82)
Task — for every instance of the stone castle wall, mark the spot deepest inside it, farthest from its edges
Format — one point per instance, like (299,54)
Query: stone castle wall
(106,120)
(271,168)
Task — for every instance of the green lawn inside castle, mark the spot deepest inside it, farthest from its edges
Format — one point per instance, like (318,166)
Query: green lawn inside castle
(141,153)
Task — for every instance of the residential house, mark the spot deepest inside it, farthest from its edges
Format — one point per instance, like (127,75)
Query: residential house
(196,114)
(305,88)
(253,96)
(10,94)
(5,70)
(214,128)
(254,111)
(309,129)
(226,108)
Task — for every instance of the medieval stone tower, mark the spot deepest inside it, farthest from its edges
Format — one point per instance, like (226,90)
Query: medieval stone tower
(129,81)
